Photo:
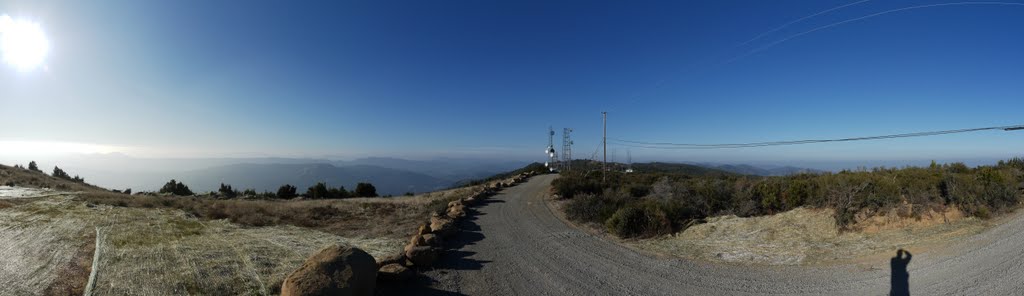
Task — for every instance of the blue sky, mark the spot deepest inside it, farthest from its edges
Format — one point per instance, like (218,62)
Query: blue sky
(420,79)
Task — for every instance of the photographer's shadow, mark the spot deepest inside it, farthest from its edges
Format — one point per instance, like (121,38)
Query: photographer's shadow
(900,282)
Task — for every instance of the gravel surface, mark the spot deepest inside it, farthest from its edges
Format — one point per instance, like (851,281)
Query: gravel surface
(515,245)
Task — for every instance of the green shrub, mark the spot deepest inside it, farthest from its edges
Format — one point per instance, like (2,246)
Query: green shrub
(639,221)
(590,208)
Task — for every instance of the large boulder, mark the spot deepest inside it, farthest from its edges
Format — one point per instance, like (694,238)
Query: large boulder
(335,270)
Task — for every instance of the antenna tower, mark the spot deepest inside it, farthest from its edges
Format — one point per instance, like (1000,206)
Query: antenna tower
(550,151)
(566,149)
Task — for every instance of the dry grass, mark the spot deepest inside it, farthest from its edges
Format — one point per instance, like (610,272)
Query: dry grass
(45,248)
(160,245)
(394,218)
(73,276)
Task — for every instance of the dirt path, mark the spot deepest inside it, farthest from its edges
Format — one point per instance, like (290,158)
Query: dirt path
(515,245)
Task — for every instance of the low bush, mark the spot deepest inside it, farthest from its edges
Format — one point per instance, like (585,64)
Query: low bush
(643,220)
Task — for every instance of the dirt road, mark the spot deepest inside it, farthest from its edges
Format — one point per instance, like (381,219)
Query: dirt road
(515,245)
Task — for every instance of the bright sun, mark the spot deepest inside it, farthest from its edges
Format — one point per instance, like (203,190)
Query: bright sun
(23,43)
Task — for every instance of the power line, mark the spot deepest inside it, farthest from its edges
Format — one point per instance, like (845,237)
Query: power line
(783,26)
(790,37)
(665,145)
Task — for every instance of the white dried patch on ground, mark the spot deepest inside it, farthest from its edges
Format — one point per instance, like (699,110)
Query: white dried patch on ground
(8,192)
(800,236)
(155,251)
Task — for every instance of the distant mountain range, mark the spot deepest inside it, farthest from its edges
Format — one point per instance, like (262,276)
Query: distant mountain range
(746,169)
(704,169)
(268,177)
(677,168)
(389,175)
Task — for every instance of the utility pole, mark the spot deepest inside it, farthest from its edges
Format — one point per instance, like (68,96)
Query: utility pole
(604,143)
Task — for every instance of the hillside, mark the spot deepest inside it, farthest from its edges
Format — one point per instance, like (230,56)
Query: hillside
(678,168)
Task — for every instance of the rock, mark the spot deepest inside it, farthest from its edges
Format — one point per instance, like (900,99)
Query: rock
(432,240)
(424,229)
(443,227)
(422,256)
(456,213)
(395,273)
(393,259)
(335,270)
(438,222)
(417,240)
(448,231)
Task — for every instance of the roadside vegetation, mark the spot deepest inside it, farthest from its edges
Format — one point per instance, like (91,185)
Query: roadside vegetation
(649,203)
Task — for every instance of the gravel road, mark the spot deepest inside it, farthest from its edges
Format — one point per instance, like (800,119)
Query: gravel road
(515,245)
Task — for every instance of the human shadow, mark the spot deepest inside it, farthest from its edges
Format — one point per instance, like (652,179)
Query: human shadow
(900,281)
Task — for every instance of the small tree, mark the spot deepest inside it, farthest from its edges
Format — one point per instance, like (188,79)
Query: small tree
(317,191)
(286,191)
(59,173)
(128,191)
(176,188)
(249,192)
(33,167)
(227,191)
(365,190)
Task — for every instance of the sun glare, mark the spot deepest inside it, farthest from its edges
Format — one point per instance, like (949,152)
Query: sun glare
(49,148)
(23,43)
